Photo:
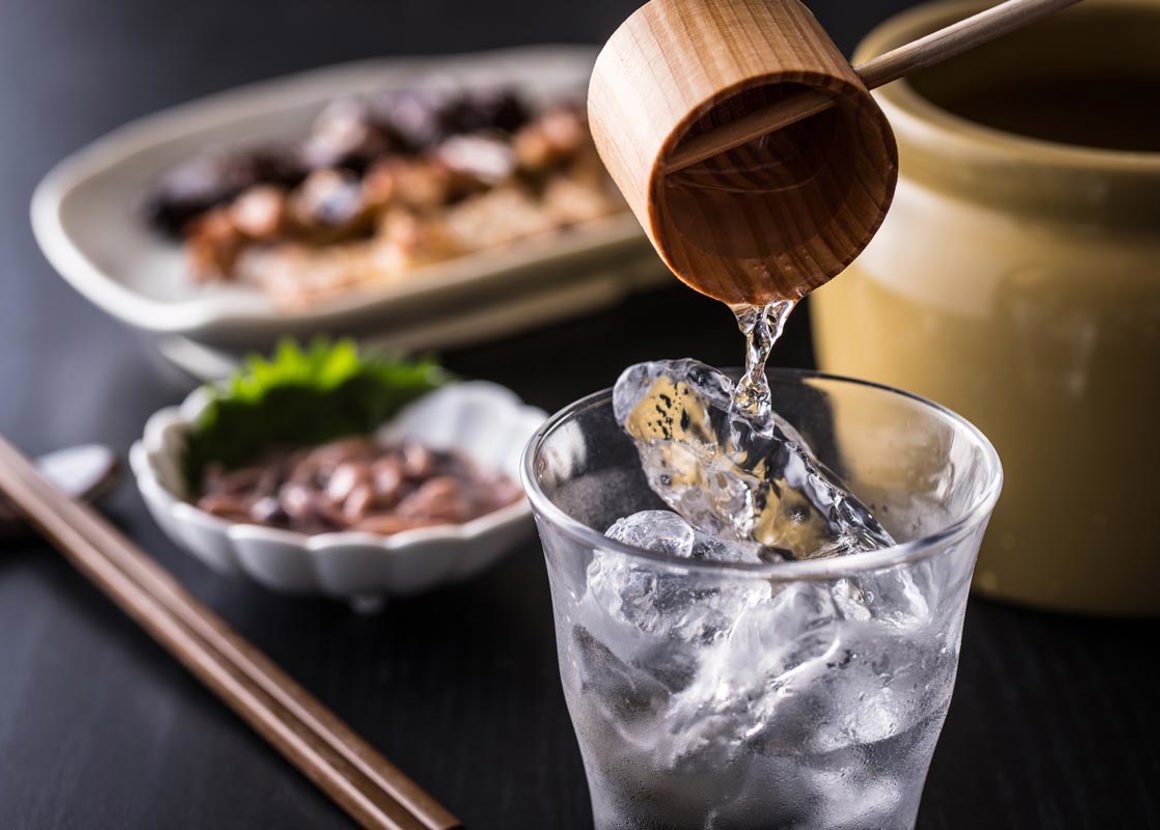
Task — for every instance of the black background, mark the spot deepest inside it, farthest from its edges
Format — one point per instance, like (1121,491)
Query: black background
(1054,723)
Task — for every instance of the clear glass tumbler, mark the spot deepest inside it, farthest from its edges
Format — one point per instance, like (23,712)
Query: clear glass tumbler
(801,695)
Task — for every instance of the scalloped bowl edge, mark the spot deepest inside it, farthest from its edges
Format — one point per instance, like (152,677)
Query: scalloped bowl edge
(485,421)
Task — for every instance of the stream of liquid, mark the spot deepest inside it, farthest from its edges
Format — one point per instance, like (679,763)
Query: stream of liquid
(762,327)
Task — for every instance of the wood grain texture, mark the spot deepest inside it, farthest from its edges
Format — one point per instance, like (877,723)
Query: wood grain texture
(364,783)
(926,51)
(771,219)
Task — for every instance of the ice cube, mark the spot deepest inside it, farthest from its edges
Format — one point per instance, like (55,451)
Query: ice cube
(625,694)
(901,595)
(667,603)
(712,549)
(661,531)
(732,476)
(775,646)
(704,671)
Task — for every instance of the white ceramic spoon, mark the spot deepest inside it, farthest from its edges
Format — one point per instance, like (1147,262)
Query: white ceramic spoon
(88,472)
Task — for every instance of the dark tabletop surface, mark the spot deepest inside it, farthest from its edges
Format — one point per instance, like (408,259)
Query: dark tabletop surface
(1054,724)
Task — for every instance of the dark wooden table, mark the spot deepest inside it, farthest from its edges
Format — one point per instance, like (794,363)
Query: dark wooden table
(1055,722)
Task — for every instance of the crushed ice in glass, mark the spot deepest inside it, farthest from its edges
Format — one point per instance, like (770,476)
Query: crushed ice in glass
(710,670)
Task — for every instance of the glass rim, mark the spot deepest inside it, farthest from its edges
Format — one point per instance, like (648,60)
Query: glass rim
(808,569)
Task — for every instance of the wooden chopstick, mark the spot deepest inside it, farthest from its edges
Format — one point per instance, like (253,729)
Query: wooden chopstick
(926,51)
(373,791)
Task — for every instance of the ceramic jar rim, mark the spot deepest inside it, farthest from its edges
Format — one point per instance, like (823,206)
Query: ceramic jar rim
(953,152)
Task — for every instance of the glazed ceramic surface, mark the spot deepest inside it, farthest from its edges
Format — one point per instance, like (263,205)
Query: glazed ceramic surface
(86,215)
(1017,281)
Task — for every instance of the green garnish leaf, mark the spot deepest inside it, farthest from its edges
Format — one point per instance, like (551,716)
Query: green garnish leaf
(302,397)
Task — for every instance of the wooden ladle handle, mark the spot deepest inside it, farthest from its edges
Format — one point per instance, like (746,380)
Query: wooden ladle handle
(926,51)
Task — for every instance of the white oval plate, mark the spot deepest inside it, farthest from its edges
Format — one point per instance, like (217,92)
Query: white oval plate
(87,220)
(486,422)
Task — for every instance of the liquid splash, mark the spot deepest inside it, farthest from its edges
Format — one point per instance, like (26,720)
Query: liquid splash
(719,455)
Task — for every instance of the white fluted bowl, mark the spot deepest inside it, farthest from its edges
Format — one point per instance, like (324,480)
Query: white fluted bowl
(486,422)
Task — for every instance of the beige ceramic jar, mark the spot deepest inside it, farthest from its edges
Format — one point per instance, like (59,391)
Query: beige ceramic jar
(1017,281)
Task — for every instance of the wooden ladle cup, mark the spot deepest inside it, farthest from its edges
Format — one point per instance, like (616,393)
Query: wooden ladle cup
(773,218)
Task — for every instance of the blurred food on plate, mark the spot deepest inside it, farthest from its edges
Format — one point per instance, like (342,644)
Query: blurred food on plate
(381,185)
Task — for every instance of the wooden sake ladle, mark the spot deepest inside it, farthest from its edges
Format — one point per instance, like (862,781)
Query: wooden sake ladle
(750,150)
